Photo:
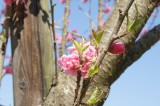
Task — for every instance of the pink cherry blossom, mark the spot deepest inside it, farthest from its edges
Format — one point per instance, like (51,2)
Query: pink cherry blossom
(158,4)
(69,22)
(70,64)
(8,2)
(9,58)
(84,1)
(107,9)
(117,47)
(102,23)
(85,68)
(62,1)
(69,37)
(75,30)
(89,53)
(72,50)
(23,1)
(3,12)
(144,31)
(58,38)
(7,70)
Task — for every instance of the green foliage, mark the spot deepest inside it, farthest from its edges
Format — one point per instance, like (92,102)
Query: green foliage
(78,46)
(97,36)
(3,36)
(93,70)
(135,24)
(95,97)
(84,48)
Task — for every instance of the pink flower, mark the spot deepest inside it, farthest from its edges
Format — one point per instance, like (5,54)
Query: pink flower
(23,1)
(9,58)
(85,68)
(89,53)
(117,47)
(102,23)
(145,30)
(84,1)
(7,70)
(58,38)
(3,12)
(8,2)
(107,10)
(158,4)
(70,64)
(62,1)
(72,50)
(75,30)
(69,37)
(69,22)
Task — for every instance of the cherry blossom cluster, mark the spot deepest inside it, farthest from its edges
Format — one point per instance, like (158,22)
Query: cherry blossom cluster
(78,62)
(81,62)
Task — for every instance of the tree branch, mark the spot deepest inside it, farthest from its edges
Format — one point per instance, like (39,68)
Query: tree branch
(141,46)
(65,22)
(55,78)
(100,13)
(114,32)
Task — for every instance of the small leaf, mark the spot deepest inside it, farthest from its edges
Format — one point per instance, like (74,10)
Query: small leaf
(3,36)
(95,97)
(84,48)
(127,21)
(94,33)
(99,36)
(77,45)
(94,42)
(93,70)
(135,23)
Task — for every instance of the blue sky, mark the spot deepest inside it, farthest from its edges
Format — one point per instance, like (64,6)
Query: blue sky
(139,84)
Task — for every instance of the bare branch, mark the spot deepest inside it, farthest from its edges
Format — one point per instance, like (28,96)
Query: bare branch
(100,13)
(88,16)
(65,22)
(141,46)
(55,78)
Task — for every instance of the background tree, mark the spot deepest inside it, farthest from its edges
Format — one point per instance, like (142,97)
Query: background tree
(35,83)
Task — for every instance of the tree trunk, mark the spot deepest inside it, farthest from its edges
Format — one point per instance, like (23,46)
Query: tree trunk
(32,58)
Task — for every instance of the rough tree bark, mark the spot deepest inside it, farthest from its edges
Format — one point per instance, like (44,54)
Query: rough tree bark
(32,52)
(32,60)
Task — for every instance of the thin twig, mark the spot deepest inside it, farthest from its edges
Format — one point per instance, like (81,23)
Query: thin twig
(88,16)
(65,23)
(78,86)
(74,33)
(79,93)
(89,12)
(100,14)
(54,80)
